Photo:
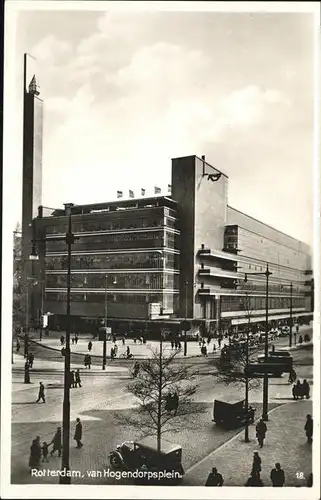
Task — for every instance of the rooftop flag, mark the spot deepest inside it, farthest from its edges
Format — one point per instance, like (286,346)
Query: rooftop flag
(119,194)
(157,190)
(131,194)
(143,191)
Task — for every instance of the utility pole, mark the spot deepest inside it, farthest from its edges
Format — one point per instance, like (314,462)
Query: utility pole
(185,333)
(266,350)
(105,333)
(159,406)
(65,467)
(291,312)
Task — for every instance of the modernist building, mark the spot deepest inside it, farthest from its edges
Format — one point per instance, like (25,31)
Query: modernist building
(183,256)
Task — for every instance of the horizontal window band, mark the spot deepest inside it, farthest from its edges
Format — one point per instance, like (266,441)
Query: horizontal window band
(54,236)
(112,252)
(148,291)
(113,271)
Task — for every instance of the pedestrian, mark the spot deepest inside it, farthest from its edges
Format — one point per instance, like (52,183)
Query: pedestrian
(219,342)
(31,358)
(56,442)
(294,392)
(78,433)
(261,429)
(123,340)
(299,390)
(172,344)
(136,369)
(214,478)
(77,378)
(277,475)
(72,379)
(214,347)
(41,393)
(76,338)
(309,428)
(292,376)
(254,479)
(90,345)
(128,353)
(300,339)
(305,389)
(89,361)
(112,353)
(62,340)
(35,454)
(45,452)
(257,462)
(208,340)
(86,360)
(114,339)
(18,346)
(73,340)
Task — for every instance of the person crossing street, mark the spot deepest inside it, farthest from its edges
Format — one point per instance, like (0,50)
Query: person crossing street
(78,433)
(277,475)
(41,393)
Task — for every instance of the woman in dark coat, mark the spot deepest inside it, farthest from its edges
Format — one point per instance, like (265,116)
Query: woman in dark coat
(35,454)
(78,433)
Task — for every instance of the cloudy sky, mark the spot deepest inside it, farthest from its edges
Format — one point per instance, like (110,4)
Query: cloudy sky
(125,92)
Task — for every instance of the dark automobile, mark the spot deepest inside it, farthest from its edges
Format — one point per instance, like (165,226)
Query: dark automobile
(143,455)
(231,414)
(274,365)
(279,354)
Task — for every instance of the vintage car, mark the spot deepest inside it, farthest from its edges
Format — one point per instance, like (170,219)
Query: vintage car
(231,414)
(143,455)
(274,365)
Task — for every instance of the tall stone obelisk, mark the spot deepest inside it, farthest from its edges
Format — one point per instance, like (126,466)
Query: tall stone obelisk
(32,159)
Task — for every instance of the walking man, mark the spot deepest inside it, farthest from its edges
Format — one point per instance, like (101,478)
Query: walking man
(277,476)
(78,433)
(77,378)
(90,345)
(261,429)
(41,393)
(214,478)
(309,428)
(257,462)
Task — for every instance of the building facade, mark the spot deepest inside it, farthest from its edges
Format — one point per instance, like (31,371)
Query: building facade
(184,256)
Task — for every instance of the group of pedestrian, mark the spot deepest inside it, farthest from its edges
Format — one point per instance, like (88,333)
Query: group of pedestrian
(74,339)
(75,380)
(176,344)
(38,451)
(301,390)
(277,475)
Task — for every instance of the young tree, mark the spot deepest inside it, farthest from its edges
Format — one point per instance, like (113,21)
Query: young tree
(231,367)
(163,389)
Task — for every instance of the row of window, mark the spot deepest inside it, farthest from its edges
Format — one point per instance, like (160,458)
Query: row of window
(120,281)
(249,304)
(272,288)
(111,241)
(135,260)
(167,301)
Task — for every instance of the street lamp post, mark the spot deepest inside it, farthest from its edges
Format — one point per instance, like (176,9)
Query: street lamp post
(291,313)
(65,467)
(105,333)
(185,334)
(267,274)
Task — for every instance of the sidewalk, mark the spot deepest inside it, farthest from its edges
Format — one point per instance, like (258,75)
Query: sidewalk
(285,443)
(138,350)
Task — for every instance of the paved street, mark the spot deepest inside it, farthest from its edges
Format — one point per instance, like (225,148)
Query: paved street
(103,397)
